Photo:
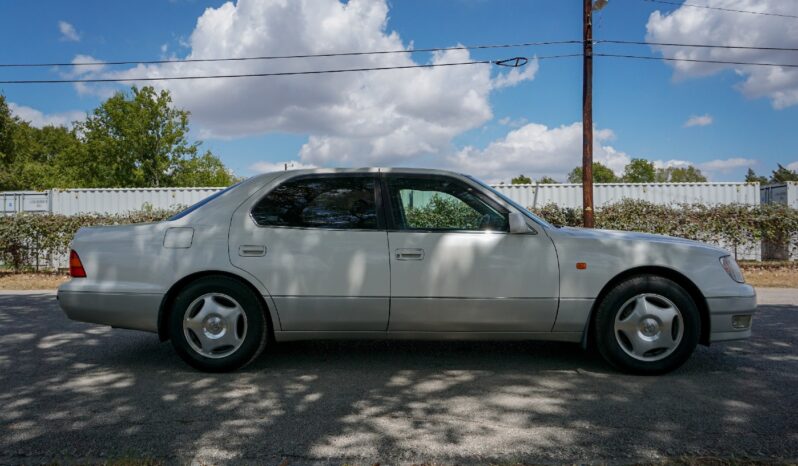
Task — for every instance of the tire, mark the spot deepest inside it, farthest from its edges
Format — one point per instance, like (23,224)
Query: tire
(218,324)
(647,325)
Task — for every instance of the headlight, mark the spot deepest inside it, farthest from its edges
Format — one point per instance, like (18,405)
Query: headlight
(731,268)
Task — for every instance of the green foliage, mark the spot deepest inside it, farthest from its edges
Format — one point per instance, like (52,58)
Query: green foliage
(135,139)
(639,171)
(547,180)
(601,174)
(730,225)
(783,174)
(443,213)
(521,179)
(752,177)
(29,241)
(689,174)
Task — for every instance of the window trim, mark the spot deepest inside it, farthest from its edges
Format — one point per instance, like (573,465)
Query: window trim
(378,204)
(394,227)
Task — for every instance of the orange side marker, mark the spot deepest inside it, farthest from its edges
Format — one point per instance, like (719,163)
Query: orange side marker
(581,265)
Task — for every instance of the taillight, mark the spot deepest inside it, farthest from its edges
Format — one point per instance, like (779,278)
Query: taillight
(76,269)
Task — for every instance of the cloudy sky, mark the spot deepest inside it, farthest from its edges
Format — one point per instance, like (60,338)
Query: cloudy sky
(488,121)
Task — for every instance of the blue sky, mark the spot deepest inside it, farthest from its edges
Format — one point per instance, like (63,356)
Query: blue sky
(640,108)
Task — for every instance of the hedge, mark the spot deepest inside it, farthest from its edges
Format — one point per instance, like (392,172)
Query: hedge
(32,241)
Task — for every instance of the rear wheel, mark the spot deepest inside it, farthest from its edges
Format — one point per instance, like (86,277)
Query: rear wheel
(218,324)
(647,325)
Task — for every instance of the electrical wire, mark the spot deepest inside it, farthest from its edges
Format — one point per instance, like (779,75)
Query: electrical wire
(709,46)
(512,62)
(695,60)
(285,57)
(731,10)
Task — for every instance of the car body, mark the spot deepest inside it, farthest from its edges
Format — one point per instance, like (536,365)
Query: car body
(381,267)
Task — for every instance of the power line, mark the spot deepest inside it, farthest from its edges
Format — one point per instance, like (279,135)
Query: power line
(285,57)
(709,46)
(695,60)
(732,10)
(518,62)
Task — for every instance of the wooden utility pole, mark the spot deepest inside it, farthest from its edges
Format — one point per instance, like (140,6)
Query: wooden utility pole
(587,115)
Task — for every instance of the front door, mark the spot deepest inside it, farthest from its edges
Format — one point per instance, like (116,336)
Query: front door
(456,268)
(318,245)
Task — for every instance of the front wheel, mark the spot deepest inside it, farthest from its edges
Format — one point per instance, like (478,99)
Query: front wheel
(647,325)
(218,324)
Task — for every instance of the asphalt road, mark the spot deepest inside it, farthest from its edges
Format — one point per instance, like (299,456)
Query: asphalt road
(77,392)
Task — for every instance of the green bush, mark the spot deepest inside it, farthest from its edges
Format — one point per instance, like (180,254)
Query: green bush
(731,225)
(32,241)
(442,213)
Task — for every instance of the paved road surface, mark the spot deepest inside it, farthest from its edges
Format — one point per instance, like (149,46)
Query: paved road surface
(77,392)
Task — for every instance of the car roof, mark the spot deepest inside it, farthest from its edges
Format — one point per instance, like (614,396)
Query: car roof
(314,171)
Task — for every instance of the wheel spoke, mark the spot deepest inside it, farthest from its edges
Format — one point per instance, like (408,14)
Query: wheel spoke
(214,330)
(648,327)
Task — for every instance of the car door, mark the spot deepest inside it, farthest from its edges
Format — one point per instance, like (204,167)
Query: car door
(318,244)
(456,268)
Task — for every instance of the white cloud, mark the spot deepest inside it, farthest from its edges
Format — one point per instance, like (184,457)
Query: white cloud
(537,150)
(698,120)
(68,32)
(727,165)
(39,119)
(513,122)
(793,165)
(266,167)
(363,118)
(706,26)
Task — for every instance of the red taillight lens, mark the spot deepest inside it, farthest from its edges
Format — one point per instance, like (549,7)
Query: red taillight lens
(76,269)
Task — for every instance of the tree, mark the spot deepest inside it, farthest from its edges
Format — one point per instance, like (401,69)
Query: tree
(139,139)
(783,174)
(521,179)
(547,180)
(751,177)
(601,174)
(639,171)
(689,174)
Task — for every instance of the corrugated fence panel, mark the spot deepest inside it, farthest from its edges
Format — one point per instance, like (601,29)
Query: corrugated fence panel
(118,201)
(570,195)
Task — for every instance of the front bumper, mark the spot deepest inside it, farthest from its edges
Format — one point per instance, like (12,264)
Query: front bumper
(722,314)
(136,311)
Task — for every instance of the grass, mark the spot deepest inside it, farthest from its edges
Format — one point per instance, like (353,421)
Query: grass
(31,281)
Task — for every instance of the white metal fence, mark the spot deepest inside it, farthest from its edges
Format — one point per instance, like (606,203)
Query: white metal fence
(121,200)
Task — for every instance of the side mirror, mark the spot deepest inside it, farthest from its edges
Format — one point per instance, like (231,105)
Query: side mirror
(518,223)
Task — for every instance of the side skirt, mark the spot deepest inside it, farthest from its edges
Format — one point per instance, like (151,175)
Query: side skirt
(573,337)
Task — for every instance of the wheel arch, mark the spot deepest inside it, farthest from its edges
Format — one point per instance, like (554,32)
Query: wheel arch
(665,272)
(168,299)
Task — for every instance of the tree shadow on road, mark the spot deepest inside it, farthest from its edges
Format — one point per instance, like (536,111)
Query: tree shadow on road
(75,391)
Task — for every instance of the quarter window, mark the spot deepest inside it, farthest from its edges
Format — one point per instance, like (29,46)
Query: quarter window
(440,203)
(331,202)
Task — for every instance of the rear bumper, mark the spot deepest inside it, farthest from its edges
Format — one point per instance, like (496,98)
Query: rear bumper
(722,313)
(136,311)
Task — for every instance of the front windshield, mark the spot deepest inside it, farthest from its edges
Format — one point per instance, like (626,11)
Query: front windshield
(201,203)
(506,199)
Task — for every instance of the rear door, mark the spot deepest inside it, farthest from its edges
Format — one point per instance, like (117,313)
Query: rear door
(319,246)
(454,265)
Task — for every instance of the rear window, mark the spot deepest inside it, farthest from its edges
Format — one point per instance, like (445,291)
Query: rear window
(331,202)
(199,204)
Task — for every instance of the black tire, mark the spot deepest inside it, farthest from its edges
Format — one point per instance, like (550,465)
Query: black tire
(613,304)
(257,324)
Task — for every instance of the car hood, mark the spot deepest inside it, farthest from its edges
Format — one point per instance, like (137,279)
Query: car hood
(591,233)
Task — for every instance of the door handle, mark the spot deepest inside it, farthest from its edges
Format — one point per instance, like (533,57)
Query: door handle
(252,250)
(411,254)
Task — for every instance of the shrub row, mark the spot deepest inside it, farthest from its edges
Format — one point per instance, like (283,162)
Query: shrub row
(31,241)
(730,225)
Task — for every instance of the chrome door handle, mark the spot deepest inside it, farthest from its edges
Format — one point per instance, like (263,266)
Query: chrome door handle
(411,254)
(252,250)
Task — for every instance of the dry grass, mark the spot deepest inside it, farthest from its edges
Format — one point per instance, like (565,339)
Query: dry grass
(771,274)
(763,274)
(31,281)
